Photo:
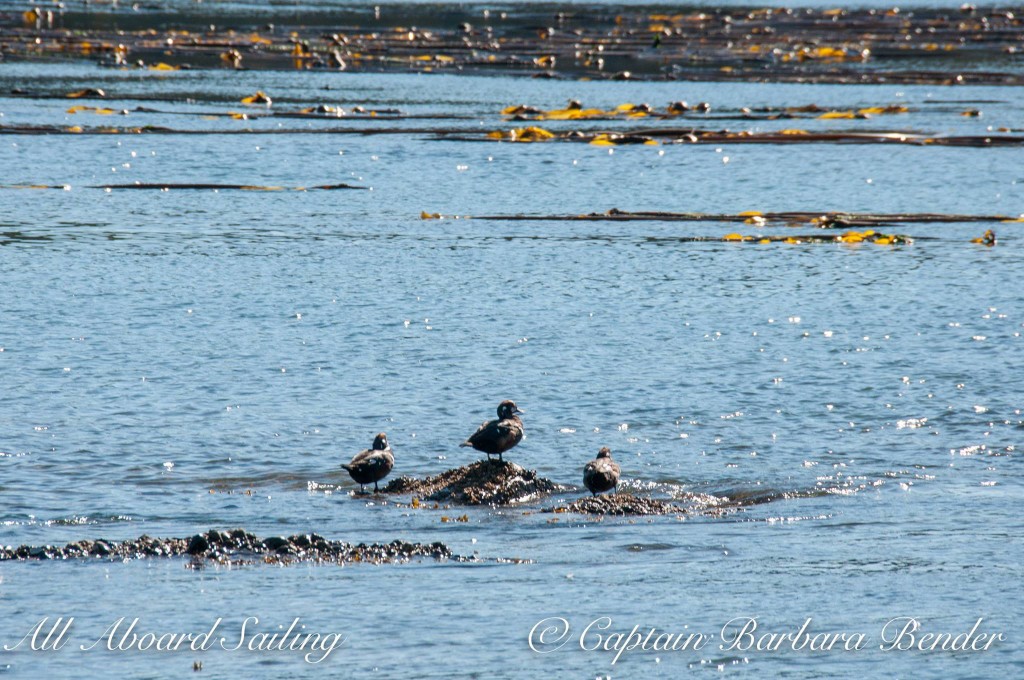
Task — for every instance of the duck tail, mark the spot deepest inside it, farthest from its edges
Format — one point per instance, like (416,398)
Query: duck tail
(346,467)
(466,443)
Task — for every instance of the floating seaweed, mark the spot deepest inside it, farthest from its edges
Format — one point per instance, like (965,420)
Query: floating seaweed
(821,220)
(87,93)
(185,186)
(260,97)
(868,236)
(527,134)
(99,110)
(727,44)
(718,137)
(986,239)
(671,135)
(575,111)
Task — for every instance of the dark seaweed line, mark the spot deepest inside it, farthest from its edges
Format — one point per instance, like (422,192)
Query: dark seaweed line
(804,137)
(710,73)
(824,219)
(239,187)
(157,130)
(672,136)
(186,186)
(17,237)
(324,113)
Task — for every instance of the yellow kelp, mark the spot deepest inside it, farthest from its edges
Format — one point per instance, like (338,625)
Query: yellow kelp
(526,134)
(260,97)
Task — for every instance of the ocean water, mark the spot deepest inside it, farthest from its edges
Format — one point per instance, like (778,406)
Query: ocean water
(175,361)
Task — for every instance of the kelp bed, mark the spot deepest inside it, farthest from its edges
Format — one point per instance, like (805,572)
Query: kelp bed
(578,42)
(831,227)
(648,136)
(923,46)
(820,220)
(676,123)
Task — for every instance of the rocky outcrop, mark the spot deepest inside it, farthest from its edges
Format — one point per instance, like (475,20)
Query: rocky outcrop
(236,546)
(619,504)
(485,482)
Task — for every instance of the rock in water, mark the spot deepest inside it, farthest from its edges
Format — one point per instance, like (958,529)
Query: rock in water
(619,504)
(485,482)
(239,547)
(198,545)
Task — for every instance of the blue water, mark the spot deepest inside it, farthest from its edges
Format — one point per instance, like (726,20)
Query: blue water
(178,361)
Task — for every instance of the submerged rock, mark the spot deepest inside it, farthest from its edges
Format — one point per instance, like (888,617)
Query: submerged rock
(237,547)
(198,545)
(485,482)
(276,543)
(619,504)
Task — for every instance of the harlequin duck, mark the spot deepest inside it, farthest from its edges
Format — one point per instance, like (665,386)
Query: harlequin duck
(498,436)
(372,465)
(602,473)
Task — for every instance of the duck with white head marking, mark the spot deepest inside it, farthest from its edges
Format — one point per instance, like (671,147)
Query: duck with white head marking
(372,465)
(498,436)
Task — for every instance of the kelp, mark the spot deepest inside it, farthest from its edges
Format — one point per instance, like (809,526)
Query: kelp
(818,219)
(786,136)
(628,111)
(260,98)
(570,41)
(167,186)
(986,239)
(646,136)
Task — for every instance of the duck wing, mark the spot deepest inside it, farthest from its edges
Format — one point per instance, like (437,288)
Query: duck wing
(479,434)
(372,460)
(496,436)
(360,459)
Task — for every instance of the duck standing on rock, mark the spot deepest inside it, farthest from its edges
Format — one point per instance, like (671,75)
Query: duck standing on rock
(602,473)
(372,465)
(498,436)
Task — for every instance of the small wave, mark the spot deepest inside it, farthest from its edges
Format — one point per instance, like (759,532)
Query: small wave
(734,499)
(644,547)
(73,520)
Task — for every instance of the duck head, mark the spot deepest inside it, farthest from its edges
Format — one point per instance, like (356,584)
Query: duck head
(507,409)
(605,452)
(380,442)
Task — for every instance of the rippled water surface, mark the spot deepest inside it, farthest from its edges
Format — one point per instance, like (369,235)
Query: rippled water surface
(174,361)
